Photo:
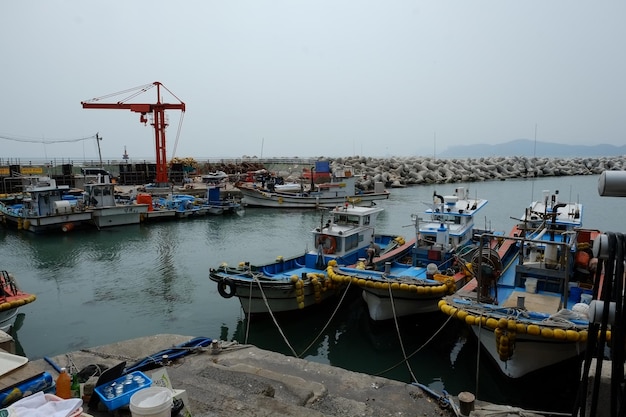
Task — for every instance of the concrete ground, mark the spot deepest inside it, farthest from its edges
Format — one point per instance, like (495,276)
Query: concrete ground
(242,380)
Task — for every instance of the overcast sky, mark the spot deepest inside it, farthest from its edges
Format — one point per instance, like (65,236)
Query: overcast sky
(292,78)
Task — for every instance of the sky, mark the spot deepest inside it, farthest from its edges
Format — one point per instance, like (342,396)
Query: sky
(310,78)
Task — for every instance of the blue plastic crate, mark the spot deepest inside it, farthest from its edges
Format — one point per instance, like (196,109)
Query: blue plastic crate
(114,398)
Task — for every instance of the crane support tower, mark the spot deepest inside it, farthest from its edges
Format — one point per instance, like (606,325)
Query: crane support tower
(158,118)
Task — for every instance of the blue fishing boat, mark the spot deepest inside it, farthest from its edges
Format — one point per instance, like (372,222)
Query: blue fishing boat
(524,302)
(288,284)
(445,239)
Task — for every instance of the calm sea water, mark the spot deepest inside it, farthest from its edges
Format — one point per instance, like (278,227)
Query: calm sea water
(96,288)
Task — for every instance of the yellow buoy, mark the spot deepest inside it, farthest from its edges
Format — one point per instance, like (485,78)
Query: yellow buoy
(491,323)
(533,329)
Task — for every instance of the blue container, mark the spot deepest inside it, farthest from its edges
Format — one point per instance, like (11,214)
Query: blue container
(114,398)
(574,294)
(322,166)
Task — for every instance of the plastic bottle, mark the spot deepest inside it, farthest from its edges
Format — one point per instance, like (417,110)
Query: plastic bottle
(75,387)
(63,385)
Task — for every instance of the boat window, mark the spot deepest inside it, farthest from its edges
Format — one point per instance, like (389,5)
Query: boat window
(351,242)
(366,220)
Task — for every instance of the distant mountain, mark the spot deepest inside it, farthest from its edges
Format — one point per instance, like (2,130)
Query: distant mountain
(529,148)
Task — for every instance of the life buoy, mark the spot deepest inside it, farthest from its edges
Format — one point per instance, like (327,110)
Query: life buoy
(226,288)
(328,243)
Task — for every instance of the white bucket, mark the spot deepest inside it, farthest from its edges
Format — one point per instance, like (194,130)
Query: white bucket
(531,285)
(151,402)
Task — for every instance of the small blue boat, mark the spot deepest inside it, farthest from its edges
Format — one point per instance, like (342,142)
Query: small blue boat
(288,284)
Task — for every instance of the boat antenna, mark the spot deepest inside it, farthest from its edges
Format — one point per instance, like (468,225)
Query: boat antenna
(532,183)
(98,139)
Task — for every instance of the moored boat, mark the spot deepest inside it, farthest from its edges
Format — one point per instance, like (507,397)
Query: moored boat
(524,302)
(434,264)
(218,205)
(339,190)
(11,299)
(46,207)
(106,211)
(288,284)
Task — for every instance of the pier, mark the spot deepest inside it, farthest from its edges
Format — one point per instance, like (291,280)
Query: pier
(230,379)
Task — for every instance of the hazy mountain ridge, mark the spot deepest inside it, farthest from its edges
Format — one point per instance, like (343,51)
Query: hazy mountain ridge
(529,148)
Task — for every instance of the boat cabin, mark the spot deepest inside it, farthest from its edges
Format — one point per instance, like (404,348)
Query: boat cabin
(46,198)
(100,195)
(449,223)
(348,230)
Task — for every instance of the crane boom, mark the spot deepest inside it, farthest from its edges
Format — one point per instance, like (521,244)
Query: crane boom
(158,119)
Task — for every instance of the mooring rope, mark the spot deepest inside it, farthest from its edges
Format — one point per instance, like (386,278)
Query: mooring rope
(329,320)
(395,320)
(416,351)
(272,315)
(249,312)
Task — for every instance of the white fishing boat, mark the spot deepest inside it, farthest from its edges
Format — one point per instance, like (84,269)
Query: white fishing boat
(341,189)
(524,303)
(46,207)
(100,200)
(444,242)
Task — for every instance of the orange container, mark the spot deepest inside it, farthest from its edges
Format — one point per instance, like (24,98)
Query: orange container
(145,199)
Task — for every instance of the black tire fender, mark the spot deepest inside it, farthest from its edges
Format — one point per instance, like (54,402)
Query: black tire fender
(226,288)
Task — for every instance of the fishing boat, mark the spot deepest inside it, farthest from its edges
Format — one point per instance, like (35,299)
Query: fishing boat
(340,189)
(46,207)
(445,240)
(100,200)
(291,284)
(218,205)
(11,299)
(524,301)
(216,177)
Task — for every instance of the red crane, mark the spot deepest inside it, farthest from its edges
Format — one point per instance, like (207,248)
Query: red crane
(158,120)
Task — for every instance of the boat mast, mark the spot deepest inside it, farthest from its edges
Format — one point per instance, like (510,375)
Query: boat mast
(98,139)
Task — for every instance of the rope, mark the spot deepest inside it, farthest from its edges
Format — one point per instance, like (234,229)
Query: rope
(395,320)
(249,312)
(415,352)
(329,320)
(272,315)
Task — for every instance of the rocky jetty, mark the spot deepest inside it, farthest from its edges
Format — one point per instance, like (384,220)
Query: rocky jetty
(403,172)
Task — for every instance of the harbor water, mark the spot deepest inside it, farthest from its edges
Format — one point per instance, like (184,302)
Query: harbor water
(100,287)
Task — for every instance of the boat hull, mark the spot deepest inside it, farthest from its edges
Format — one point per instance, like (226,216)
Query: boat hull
(45,224)
(119,215)
(531,353)
(257,198)
(278,298)
(7,318)
(383,307)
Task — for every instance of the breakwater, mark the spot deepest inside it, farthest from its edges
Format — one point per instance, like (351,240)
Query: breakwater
(402,172)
